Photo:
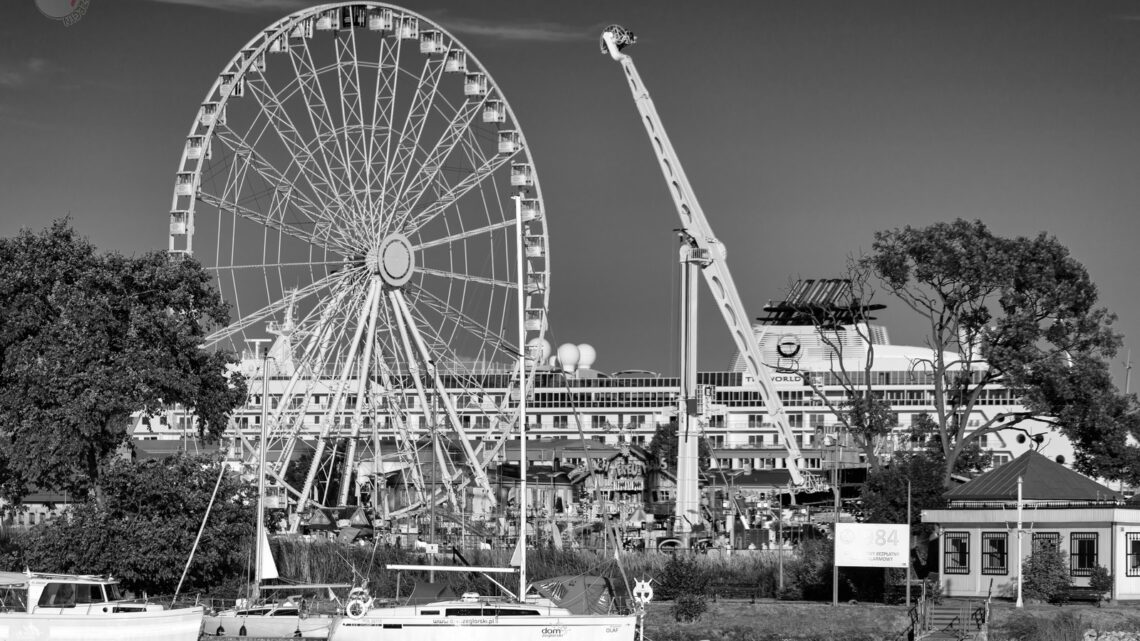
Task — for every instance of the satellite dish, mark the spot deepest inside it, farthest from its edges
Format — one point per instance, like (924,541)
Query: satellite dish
(568,357)
(586,356)
(537,349)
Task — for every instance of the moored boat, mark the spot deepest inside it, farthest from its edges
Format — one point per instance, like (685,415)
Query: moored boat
(81,607)
(475,618)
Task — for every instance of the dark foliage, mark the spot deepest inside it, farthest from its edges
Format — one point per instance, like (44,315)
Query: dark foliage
(1019,313)
(143,530)
(1046,575)
(87,339)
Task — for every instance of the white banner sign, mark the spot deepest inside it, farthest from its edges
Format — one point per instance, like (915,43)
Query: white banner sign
(872,545)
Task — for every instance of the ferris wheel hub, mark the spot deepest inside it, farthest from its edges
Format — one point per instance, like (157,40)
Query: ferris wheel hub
(392,260)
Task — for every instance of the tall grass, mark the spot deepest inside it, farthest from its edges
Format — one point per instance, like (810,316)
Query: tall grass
(329,561)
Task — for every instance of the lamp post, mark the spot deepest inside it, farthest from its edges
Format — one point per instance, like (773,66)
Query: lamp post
(835,522)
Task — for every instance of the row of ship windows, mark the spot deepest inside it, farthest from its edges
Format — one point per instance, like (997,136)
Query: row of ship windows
(817,422)
(663,399)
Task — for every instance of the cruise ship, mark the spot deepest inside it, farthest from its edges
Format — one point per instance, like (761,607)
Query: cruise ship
(573,406)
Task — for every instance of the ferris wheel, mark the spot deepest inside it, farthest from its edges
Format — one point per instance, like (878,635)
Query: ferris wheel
(352,180)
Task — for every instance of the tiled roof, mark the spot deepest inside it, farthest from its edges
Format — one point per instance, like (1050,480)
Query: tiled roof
(1042,480)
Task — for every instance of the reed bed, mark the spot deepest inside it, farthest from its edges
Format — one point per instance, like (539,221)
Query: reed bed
(303,560)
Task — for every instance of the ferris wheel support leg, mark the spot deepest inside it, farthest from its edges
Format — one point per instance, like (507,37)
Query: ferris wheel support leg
(338,399)
(429,409)
(362,376)
(472,460)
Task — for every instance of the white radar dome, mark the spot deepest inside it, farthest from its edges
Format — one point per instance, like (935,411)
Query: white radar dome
(586,356)
(537,349)
(568,357)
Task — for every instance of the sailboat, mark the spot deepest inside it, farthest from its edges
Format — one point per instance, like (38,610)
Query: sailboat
(289,615)
(474,617)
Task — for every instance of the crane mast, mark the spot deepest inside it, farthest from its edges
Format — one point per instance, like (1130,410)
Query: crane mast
(703,252)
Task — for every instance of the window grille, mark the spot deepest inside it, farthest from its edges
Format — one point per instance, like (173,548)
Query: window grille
(1132,551)
(995,553)
(957,554)
(1082,553)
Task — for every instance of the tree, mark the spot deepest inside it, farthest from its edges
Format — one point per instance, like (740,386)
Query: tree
(87,340)
(663,447)
(1046,575)
(884,497)
(1020,315)
(144,529)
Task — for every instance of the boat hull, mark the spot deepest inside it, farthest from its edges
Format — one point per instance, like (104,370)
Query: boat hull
(182,624)
(513,628)
(311,627)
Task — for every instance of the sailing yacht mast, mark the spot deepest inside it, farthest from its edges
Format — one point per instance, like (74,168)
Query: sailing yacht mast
(521,267)
(261,447)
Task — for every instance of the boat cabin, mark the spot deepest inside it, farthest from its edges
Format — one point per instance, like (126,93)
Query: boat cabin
(38,593)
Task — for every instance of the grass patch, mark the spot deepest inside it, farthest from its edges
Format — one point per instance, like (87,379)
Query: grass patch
(780,621)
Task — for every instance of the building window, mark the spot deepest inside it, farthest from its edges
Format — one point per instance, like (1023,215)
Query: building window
(756,421)
(1132,551)
(598,422)
(561,421)
(995,553)
(795,420)
(1082,553)
(957,555)
(716,421)
(1046,542)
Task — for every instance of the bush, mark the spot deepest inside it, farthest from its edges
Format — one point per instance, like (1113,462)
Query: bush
(689,607)
(681,576)
(683,580)
(1046,576)
(1026,627)
(1101,581)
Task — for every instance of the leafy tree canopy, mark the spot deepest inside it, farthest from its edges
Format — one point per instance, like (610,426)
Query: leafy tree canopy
(144,529)
(1020,313)
(663,447)
(87,339)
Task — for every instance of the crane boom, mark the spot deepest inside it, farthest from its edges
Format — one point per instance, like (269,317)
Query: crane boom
(703,242)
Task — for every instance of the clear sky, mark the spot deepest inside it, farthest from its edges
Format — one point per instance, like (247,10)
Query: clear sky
(804,127)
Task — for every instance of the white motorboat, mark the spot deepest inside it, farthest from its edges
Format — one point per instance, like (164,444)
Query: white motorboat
(475,618)
(35,606)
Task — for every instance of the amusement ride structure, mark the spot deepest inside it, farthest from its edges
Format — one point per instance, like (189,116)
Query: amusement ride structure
(352,179)
(700,252)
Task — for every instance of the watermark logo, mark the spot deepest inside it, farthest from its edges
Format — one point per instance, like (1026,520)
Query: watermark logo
(66,11)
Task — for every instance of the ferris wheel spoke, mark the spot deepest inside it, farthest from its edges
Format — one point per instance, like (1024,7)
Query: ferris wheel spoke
(320,118)
(464,235)
(383,115)
(470,278)
(433,164)
(408,142)
(454,193)
(246,153)
(472,326)
(352,116)
(315,175)
(269,221)
(273,309)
